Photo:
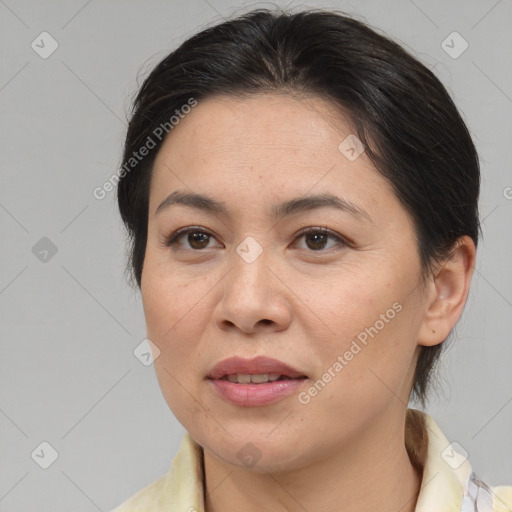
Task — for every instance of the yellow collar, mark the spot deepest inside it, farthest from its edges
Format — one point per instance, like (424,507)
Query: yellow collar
(444,485)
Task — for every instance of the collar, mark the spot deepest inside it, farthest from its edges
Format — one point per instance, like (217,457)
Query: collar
(445,471)
(444,485)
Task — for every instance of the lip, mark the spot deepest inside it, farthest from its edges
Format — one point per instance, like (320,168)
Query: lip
(260,364)
(254,395)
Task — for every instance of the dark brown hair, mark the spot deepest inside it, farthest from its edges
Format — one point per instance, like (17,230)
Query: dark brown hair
(401,112)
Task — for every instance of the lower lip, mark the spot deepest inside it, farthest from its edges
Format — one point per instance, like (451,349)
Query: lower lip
(253,395)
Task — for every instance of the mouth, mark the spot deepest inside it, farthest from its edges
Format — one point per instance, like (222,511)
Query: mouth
(257,378)
(255,382)
(254,371)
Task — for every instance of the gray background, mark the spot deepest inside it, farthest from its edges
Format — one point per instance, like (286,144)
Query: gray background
(69,324)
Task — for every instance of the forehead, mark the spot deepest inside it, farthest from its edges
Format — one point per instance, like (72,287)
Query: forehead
(262,147)
(259,130)
(269,121)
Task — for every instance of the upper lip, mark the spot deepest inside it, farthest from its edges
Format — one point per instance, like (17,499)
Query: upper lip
(257,365)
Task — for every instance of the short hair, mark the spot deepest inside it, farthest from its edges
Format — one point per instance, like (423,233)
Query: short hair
(411,129)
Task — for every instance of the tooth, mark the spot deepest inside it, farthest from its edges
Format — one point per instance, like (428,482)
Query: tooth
(244,378)
(263,377)
(233,378)
(273,376)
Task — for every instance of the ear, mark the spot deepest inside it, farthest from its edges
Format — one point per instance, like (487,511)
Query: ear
(447,293)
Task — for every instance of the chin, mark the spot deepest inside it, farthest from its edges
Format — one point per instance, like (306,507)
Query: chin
(258,451)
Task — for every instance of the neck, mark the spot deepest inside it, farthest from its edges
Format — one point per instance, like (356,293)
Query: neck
(372,472)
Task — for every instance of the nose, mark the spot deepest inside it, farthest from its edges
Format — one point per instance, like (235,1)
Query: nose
(254,297)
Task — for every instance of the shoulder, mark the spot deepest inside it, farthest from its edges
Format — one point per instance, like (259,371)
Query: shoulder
(502,498)
(181,488)
(147,499)
(448,481)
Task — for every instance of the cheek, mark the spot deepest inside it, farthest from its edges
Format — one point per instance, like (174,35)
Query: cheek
(170,301)
(350,302)
(371,348)
(174,314)
(173,311)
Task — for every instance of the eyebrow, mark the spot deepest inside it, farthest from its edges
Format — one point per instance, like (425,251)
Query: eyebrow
(279,211)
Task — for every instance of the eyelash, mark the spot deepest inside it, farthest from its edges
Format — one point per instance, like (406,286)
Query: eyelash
(172,239)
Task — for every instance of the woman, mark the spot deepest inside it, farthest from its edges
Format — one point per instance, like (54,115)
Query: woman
(301,196)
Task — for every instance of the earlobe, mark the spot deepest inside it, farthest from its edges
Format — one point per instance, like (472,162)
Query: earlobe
(448,292)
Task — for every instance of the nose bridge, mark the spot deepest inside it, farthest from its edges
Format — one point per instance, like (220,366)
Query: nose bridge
(250,270)
(251,296)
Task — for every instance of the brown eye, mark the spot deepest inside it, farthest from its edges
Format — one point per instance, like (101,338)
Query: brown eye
(317,238)
(196,238)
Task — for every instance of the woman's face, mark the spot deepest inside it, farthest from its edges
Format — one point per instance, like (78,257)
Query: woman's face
(344,308)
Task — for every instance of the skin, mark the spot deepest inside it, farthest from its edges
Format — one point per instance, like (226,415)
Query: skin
(301,301)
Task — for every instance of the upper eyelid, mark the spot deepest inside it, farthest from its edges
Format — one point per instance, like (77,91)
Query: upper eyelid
(186,230)
(173,238)
(320,229)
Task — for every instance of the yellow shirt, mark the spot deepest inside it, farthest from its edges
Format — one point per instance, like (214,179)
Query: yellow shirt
(448,483)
